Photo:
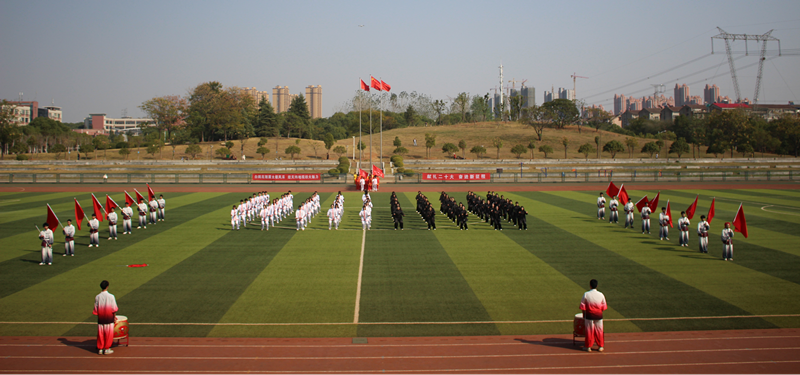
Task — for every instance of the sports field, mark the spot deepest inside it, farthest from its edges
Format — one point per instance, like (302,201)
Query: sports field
(203,279)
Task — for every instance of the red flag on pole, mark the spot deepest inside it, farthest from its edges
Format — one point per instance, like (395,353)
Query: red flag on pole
(623,195)
(669,213)
(739,222)
(612,190)
(98,208)
(692,208)
(52,219)
(110,204)
(641,203)
(362,173)
(364,86)
(654,203)
(79,214)
(129,200)
(377,171)
(150,193)
(386,86)
(139,196)
(375,84)
(711,211)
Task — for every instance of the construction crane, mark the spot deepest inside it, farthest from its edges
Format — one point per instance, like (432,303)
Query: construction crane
(522,84)
(727,37)
(574,76)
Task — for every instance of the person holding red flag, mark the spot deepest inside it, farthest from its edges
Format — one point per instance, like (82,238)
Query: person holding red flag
(112,224)
(646,217)
(142,208)
(46,235)
(663,222)
(629,214)
(162,205)
(153,210)
(127,215)
(94,231)
(739,222)
(601,207)
(702,232)
(614,207)
(727,242)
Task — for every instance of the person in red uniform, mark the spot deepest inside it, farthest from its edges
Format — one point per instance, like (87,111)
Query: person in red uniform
(105,307)
(593,304)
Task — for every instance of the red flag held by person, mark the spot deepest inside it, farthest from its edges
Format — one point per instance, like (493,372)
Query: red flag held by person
(150,193)
(623,195)
(129,200)
(739,222)
(362,173)
(669,213)
(692,208)
(79,214)
(364,86)
(641,203)
(110,204)
(386,86)
(376,171)
(711,211)
(375,84)
(654,203)
(139,196)
(52,219)
(612,190)
(98,208)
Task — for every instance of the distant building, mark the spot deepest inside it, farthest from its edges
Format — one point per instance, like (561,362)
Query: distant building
(650,114)
(681,95)
(721,107)
(566,94)
(548,96)
(281,98)
(51,112)
(528,97)
(314,100)
(620,104)
(256,95)
(670,113)
(25,111)
(694,111)
(99,123)
(710,94)
(774,111)
(628,116)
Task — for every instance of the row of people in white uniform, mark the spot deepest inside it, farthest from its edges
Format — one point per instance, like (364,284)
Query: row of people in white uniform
(663,221)
(306,211)
(258,207)
(156,208)
(366,212)
(336,211)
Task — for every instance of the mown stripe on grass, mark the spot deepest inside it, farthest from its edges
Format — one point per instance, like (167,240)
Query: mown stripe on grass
(68,296)
(409,277)
(204,286)
(311,279)
(21,238)
(511,282)
(752,206)
(764,196)
(752,291)
(24,201)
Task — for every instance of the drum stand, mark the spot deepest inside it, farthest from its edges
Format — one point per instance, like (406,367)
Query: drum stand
(119,340)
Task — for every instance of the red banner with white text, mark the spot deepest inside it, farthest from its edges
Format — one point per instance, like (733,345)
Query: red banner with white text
(286,177)
(456,176)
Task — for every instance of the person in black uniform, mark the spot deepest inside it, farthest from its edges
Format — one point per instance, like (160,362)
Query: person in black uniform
(462,217)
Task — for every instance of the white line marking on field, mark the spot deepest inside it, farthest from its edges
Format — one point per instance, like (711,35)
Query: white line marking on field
(360,272)
(777,212)
(424,323)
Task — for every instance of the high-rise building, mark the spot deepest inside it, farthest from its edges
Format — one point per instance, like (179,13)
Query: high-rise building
(620,104)
(256,95)
(281,98)
(548,96)
(711,94)
(681,95)
(528,97)
(314,100)
(566,94)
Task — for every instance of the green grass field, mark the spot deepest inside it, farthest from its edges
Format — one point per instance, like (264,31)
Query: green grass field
(285,283)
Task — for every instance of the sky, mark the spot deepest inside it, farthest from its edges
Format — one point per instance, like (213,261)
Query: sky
(109,56)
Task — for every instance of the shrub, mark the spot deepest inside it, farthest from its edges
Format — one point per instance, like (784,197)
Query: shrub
(408,172)
(22,157)
(334,171)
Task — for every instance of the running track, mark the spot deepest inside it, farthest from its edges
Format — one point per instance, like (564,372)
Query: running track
(740,351)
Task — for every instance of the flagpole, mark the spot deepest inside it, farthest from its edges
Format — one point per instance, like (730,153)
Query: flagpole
(380,105)
(54,214)
(370,124)
(359,126)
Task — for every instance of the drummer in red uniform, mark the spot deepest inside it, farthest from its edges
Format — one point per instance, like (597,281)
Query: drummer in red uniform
(593,304)
(105,307)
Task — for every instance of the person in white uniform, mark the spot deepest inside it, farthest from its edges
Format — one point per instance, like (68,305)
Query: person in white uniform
(234,218)
(727,242)
(601,207)
(142,214)
(153,211)
(646,219)
(663,222)
(94,231)
(614,206)
(298,216)
(162,205)
(127,215)
(702,232)
(46,235)
(112,224)
(69,239)
(683,226)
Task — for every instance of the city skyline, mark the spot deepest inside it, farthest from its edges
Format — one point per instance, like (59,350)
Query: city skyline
(97,57)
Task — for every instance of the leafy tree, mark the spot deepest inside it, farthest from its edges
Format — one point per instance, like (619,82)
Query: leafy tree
(223,152)
(292,150)
(100,142)
(400,151)
(597,118)
(214,111)
(168,112)
(498,144)
(462,144)
(461,105)
(58,149)
(716,148)
(679,147)
(124,152)
(632,143)
(154,147)
(480,108)
(267,124)
(585,149)
(263,151)
(329,141)
(409,115)
(177,138)
(430,142)
(9,131)
(339,150)
(262,141)
(439,106)
(597,143)
(745,149)
(515,107)
(229,144)
(650,148)
(561,112)
(613,147)
(518,150)
(449,148)
(787,132)
(397,142)
(546,150)
(532,147)
(193,150)
(535,117)
(565,142)
(478,151)
(87,148)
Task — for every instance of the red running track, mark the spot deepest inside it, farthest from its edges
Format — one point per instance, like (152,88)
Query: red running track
(741,351)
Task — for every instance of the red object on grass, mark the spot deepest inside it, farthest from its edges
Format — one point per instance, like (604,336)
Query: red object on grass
(137,265)
(128,199)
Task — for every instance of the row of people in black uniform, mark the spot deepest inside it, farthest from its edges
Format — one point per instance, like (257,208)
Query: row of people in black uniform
(425,210)
(496,208)
(397,212)
(454,211)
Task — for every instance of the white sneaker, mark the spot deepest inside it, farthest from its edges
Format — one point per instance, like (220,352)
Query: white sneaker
(41,264)
(64,255)
(138,227)
(90,245)
(101,351)
(587,349)
(109,238)
(600,349)
(49,264)
(108,351)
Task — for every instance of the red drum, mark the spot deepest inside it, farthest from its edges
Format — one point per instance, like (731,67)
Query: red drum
(121,327)
(578,327)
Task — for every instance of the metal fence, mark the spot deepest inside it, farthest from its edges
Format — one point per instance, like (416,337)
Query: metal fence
(415,178)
